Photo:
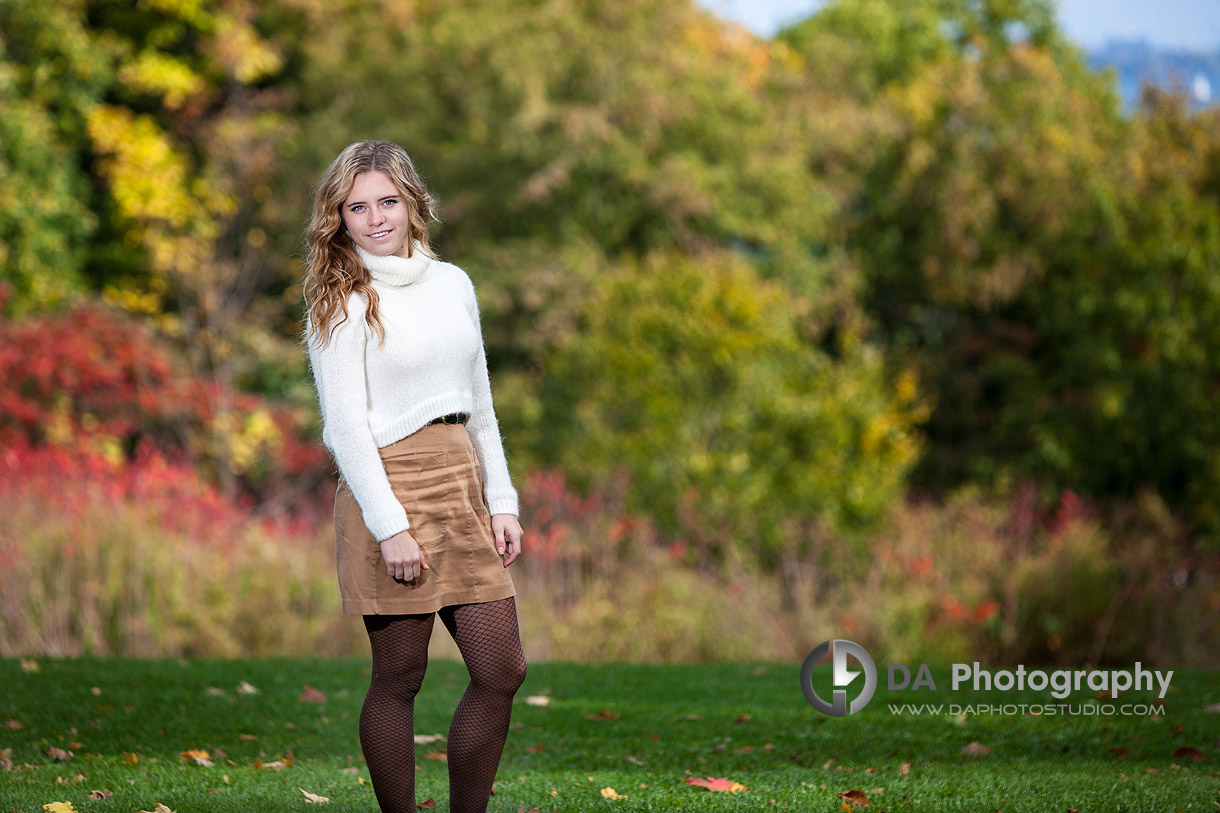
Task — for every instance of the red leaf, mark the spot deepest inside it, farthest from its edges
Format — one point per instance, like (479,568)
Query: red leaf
(311,695)
(716,784)
(854,797)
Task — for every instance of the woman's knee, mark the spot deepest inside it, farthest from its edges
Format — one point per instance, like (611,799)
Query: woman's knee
(500,675)
(402,678)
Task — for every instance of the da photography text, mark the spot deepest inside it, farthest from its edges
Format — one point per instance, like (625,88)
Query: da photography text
(1060,682)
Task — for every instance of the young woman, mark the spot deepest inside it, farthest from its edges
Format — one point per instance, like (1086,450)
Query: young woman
(425,512)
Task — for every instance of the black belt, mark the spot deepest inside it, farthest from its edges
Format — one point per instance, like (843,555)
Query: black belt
(452,417)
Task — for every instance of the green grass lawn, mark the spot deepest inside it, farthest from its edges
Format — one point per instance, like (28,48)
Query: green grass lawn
(639,729)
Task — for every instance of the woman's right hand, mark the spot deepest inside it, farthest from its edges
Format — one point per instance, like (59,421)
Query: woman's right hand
(403,558)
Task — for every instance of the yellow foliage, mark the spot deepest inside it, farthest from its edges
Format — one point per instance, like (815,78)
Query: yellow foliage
(242,51)
(147,175)
(132,300)
(257,436)
(160,74)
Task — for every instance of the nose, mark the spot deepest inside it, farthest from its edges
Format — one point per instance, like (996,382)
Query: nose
(376,217)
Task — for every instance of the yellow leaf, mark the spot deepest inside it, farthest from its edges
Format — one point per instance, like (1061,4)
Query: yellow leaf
(313,797)
(199,756)
(611,793)
(59,807)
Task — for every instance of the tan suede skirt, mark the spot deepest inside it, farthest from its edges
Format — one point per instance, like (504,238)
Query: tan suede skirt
(435,474)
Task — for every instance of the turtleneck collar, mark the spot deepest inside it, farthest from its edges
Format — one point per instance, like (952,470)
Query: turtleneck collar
(395,270)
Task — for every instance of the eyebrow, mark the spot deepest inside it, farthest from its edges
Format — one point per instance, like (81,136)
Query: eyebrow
(379,200)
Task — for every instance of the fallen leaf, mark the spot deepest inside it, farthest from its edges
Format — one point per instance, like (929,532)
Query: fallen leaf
(198,756)
(611,793)
(603,714)
(14,724)
(905,768)
(59,754)
(160,808)
(277,765)
(1189,753)
(98,795)
(536,748)
(976,748)
(80,777)
(719,784)
(855,798)
(537,700)
(1120,752)
(28,665)
(214,691)
(60,807)
(427,803)
(247,737)
(741,718)
(633,760)
(424,739)
(246,688)
(311,695)
(313,797)
(130,758)
(436,754)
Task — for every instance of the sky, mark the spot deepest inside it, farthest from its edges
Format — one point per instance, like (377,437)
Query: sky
(1188,24)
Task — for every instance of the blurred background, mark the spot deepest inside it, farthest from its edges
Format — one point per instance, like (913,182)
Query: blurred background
(892,320)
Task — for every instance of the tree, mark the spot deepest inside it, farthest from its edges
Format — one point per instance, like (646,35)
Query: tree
(690,374)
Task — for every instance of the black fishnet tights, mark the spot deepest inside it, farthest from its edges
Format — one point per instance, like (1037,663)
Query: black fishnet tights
(490,643)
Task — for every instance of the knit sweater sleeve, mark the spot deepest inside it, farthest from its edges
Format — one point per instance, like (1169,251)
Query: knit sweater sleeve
(340,379)
(485,429)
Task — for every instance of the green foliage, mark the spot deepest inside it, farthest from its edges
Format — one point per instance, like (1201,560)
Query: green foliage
(1046,264)
(635,126)
(690,374)
(50,72)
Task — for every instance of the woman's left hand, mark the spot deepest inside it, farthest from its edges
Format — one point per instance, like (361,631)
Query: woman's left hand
(507,531)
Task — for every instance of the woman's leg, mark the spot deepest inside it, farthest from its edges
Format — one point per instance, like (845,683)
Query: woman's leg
(490,643)
(387,720)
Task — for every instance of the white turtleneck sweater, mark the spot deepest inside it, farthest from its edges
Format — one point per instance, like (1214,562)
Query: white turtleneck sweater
(432,363)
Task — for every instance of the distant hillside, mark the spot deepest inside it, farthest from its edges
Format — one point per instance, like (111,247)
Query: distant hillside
(1137,62)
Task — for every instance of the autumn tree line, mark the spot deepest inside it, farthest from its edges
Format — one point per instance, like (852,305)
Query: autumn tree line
(902,249)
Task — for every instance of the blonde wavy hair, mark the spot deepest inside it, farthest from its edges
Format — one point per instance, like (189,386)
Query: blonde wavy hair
(332,267)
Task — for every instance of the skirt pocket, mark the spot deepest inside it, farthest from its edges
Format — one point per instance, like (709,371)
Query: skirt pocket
(420,478)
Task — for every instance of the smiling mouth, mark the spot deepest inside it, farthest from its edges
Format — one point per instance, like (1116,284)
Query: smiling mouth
(378,234)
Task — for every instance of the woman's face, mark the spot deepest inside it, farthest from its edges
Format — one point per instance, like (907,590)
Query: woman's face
(376,215)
